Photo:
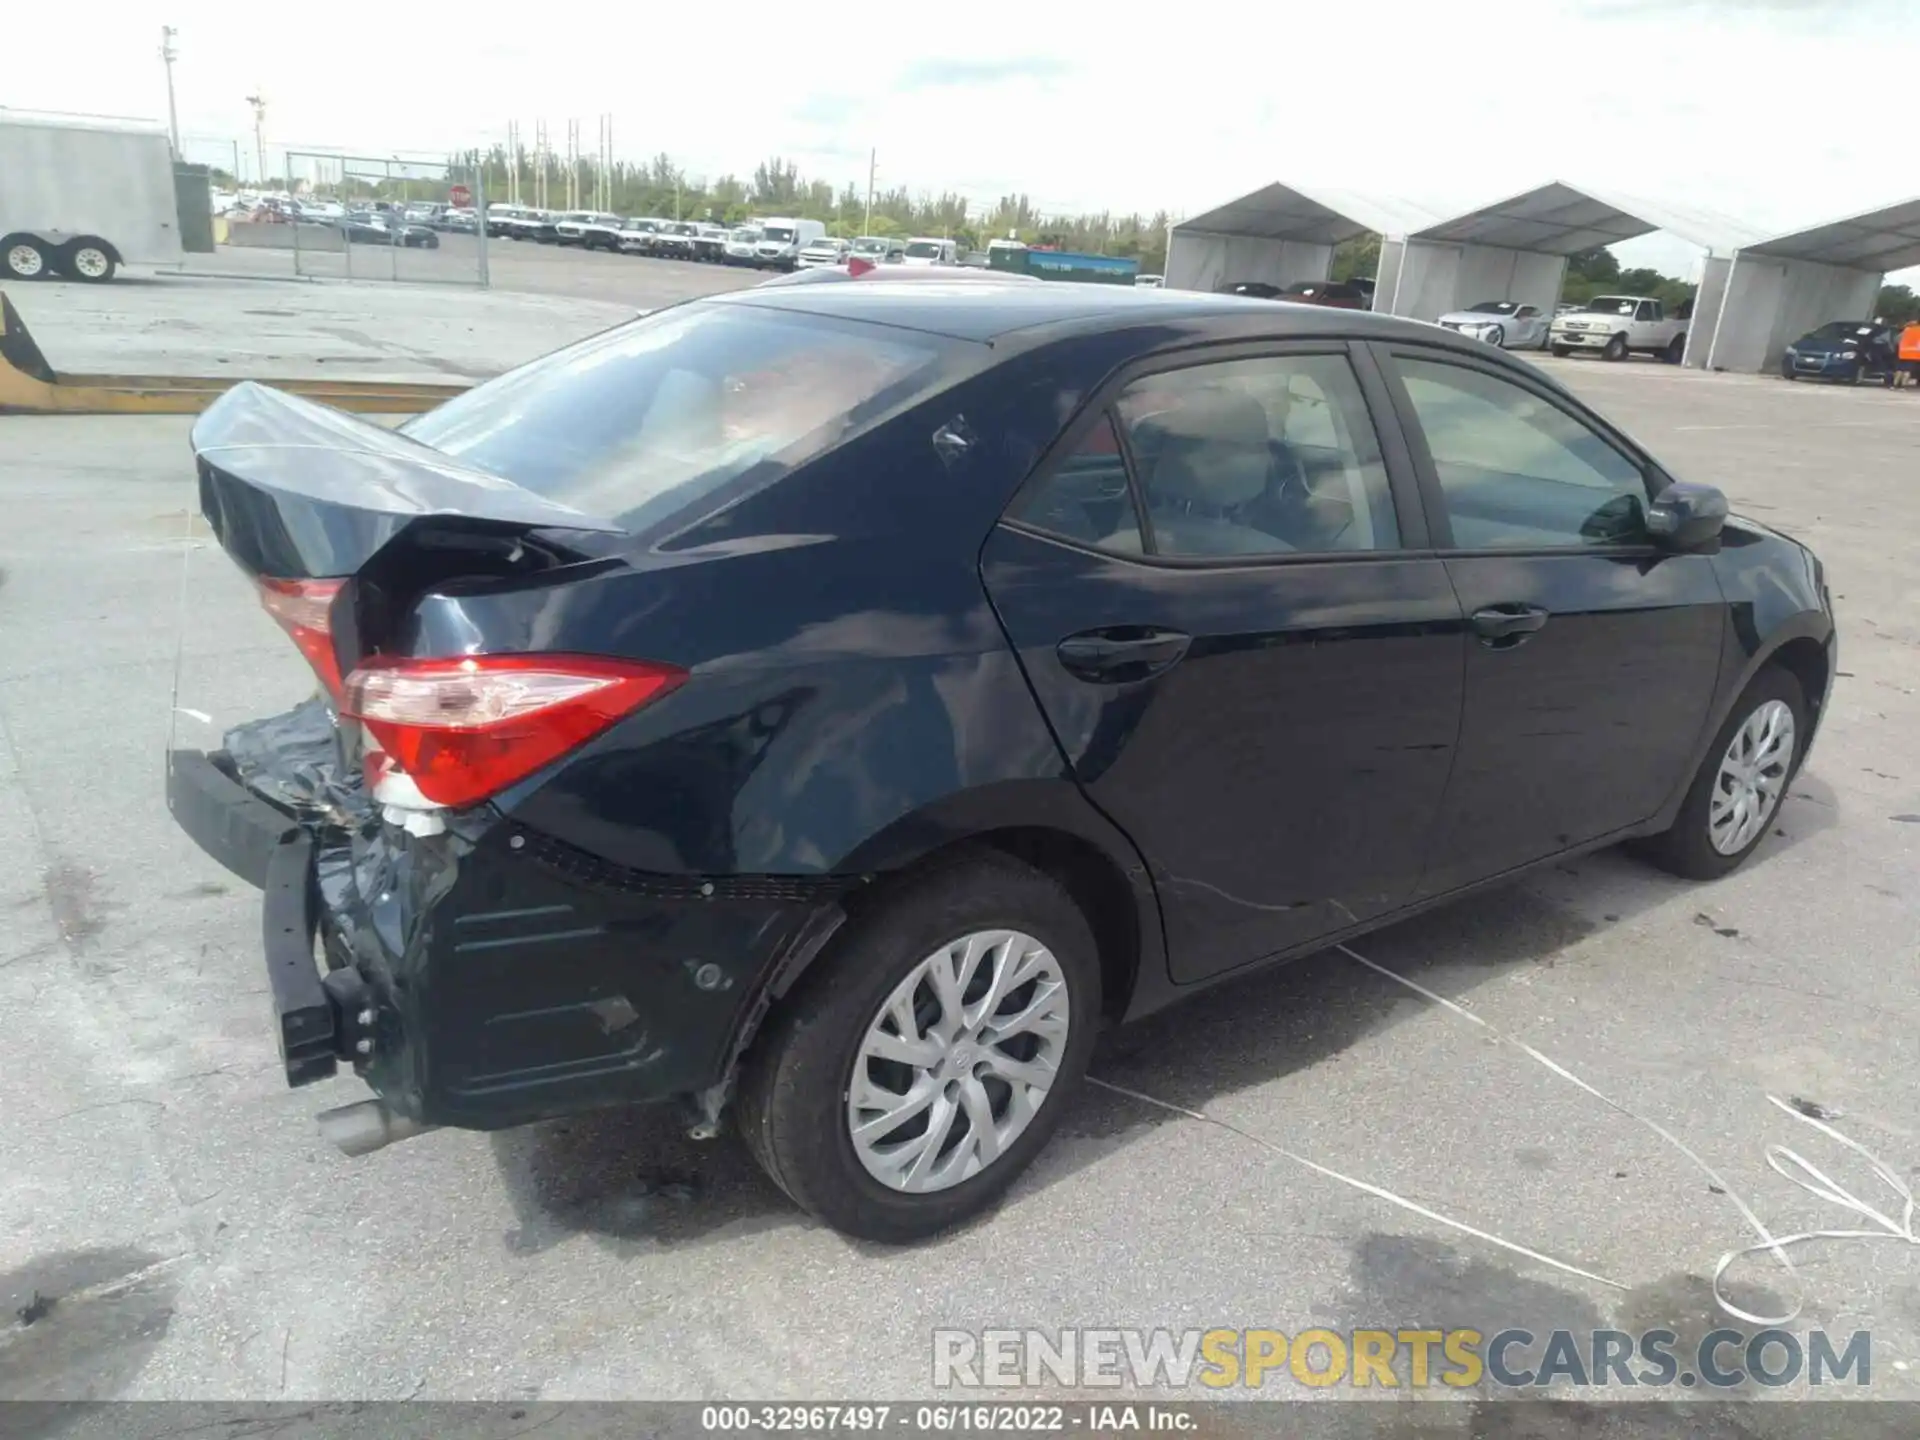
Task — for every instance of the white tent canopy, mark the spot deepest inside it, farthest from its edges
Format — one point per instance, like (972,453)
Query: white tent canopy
(1782,287)
(1517,248)
(1280,234)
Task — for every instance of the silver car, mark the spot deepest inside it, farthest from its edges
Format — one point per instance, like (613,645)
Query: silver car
(1505,324)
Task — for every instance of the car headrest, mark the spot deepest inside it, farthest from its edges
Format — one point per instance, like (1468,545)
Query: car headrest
(1212,447)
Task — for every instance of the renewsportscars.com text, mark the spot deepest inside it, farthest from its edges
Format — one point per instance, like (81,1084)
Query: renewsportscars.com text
(1414,1359)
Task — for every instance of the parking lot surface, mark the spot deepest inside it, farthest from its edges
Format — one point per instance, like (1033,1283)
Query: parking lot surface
(174,1199)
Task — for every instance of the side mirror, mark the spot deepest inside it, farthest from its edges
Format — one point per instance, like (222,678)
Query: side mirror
(1687,517)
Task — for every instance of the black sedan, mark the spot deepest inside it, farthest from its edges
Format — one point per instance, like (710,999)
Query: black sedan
(827,706)
(379,230)
(1849,350)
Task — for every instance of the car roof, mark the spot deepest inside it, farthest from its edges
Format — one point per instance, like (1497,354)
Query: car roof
(983,309)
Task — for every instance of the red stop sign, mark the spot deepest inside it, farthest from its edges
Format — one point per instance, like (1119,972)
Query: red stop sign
(460,195)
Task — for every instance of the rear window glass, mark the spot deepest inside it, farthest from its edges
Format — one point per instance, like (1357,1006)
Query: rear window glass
(639,423)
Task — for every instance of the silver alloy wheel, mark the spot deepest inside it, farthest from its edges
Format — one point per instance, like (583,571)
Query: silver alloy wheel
(1752,778)
(91,261)
(25,261)
(1497,338)
(959,1060)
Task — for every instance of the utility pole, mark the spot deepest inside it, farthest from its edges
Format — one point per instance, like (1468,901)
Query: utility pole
(513,161)
(259,103)
(540,164)
(873,165)
(573,164)
(167,56)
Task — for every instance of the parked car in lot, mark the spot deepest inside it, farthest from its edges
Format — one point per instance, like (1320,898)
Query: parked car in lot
(781,242)
(880,249)
(674,240)
(743,245)
(730,709)
(1846,350)
(589,229)
(1336,294)
(710,243)
(366,228)
(1504,324)
(1618,326)
(638,234)
(502,218)
(931,250)
(824,251)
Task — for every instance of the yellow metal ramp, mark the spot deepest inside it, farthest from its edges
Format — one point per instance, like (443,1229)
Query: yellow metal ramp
(30,386)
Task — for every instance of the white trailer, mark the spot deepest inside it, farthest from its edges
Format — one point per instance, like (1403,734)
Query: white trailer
(81,196)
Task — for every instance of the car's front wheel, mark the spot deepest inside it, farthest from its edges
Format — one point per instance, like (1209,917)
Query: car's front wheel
(1737,792)
(1497,338)
(1616,349)
(921,1065)
(1559,352)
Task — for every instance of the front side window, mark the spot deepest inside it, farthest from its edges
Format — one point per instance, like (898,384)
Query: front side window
(1516,471)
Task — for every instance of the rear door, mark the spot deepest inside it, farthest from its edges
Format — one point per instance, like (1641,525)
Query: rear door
(1216,586)
(1594,654)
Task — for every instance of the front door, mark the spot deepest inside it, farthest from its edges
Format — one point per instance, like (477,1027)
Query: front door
(1594,655)
(1209,593)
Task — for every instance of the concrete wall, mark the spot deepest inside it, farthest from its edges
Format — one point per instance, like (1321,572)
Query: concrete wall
(1206,262)
(1772,302)
(259,235)
(1435,278)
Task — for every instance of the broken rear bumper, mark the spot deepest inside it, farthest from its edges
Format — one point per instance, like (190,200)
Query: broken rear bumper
(493,975)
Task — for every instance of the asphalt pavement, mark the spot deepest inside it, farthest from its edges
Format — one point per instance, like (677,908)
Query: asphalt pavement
(173,1200)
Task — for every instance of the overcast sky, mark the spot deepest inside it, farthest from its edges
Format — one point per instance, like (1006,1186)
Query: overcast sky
(1082,106)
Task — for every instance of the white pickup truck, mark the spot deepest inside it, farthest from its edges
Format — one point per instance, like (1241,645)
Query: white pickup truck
(1618,326)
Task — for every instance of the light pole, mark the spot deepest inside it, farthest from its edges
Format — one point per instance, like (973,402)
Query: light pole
(259,104)
(167,56)
(873,163)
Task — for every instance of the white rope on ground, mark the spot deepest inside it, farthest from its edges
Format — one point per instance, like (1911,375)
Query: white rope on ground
(1782,1160)
(1375,1190)
(1779,1158)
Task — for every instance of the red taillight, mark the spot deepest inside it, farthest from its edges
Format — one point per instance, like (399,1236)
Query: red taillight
(463,729)
(303,609)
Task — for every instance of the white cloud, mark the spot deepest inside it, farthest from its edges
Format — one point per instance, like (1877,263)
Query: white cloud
(1115,107)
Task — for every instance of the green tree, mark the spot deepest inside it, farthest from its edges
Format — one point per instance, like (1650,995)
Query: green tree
(1897,305)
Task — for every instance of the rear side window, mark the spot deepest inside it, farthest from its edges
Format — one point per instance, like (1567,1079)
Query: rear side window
(641,423)
(1085,498)
(1269,456)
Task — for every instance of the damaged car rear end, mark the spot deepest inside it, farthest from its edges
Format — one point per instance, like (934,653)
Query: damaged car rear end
(522,849)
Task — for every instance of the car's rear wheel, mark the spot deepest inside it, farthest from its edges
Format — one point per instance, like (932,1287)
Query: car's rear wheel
(24,258)
(921,1065)
(1737,792)
(1616,349)
(1676,350)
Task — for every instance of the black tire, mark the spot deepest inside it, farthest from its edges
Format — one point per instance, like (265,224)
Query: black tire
(24,258)
(1686,849)
(1676,350)
(1786,371)
(88,260)
(1616,349)
(1497,337)
(792,1103)
(1559,352)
